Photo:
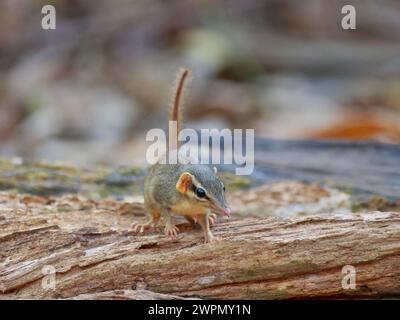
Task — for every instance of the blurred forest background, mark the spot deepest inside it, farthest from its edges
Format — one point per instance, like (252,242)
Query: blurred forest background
(88,91)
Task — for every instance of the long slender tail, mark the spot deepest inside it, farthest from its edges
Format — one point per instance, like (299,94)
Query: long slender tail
(176,109)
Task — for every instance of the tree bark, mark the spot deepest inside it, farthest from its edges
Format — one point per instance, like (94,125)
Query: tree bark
(268,258)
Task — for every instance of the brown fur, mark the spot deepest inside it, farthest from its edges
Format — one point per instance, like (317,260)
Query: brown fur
(176,108)
(170,188)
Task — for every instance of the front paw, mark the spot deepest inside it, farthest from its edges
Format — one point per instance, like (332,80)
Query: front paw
(139,227)
(212,218)
(171,231)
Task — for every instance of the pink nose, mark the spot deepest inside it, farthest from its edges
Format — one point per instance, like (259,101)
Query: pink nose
(227,212)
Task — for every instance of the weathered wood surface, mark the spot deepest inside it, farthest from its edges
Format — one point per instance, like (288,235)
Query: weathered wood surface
(287,239)
(96,256)
(127,294)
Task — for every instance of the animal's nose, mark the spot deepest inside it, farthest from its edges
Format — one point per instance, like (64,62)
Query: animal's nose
(227,212)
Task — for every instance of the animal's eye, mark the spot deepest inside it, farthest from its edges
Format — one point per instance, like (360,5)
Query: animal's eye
(224,188)
(200,192)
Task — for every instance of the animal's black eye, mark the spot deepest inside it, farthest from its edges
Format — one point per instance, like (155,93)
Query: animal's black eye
(224,188)
(200,192)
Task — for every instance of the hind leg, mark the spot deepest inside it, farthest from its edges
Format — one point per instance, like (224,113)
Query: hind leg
(152,221)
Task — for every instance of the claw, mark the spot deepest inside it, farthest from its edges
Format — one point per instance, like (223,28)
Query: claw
(139,228)
(171,231)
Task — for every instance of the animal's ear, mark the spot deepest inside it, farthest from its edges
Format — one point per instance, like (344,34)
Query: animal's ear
(184,182)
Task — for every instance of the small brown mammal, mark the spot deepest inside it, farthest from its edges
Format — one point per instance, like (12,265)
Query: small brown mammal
(190,190)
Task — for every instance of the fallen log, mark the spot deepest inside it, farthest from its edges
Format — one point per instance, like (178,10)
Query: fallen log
(139,294)
(257,258)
